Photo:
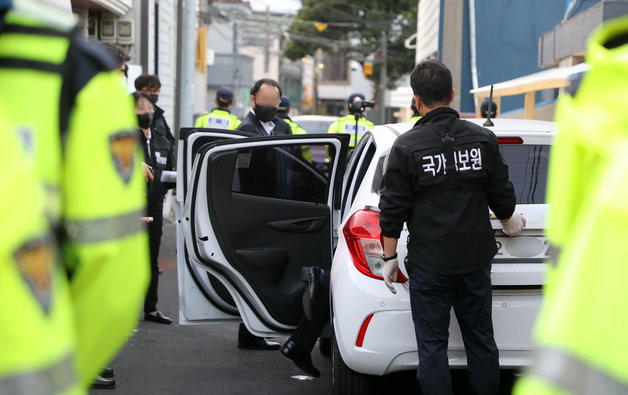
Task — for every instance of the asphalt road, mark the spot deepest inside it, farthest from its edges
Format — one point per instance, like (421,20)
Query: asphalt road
(204,359)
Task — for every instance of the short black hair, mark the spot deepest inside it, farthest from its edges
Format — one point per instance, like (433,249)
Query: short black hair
(138,95)
(431,81)
(265,81)
(147,81)
(120,56)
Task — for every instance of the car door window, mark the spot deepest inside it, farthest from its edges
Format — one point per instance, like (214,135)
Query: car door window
(279,173)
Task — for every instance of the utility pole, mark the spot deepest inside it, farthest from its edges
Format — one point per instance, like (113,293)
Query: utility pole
(236,62)
(186,107)
(383,78)
(267,42)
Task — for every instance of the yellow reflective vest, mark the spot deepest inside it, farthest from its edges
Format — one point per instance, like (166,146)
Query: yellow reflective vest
(37,335)
(346,124)
(79,132)
(218,119)
(581,330)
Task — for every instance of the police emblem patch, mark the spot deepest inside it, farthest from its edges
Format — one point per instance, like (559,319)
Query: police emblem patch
(36,261)
(123,149)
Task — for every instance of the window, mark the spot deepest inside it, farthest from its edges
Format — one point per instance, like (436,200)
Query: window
(527,169)
(280,173)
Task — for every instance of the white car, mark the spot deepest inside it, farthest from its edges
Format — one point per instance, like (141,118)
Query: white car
(252,212)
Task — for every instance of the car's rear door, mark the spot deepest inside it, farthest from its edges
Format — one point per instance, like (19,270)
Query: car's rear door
(256,212)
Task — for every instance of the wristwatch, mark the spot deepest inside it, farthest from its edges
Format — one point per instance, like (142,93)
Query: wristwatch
(389,258)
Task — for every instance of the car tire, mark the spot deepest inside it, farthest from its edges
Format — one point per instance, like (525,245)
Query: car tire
(344,380)
(324,346)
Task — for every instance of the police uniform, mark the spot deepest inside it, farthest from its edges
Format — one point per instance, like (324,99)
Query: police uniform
(442,177)
(346,124)
(70,110)
(581,329)
(284,108)
(37,338)
(219,118)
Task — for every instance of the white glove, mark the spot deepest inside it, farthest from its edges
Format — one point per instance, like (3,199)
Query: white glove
(514,225)
(390,274)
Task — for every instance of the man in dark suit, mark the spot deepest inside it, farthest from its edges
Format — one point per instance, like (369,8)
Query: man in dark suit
(262,119)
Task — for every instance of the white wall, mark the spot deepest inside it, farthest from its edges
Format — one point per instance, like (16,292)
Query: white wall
(427,29)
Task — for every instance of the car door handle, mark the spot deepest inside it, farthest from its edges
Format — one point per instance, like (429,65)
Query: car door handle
(301,225)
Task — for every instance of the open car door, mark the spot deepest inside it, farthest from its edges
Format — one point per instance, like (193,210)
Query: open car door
(201,296)
(256,212)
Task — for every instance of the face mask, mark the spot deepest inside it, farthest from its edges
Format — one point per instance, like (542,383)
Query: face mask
(265,113)
(154,98)
(145,120)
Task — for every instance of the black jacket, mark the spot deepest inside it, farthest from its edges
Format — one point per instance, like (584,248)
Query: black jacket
(252,125)
(160,126)
(160,158)
(447,214)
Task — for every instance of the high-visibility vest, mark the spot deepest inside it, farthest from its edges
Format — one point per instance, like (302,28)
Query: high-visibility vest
(79,130)
(415,118)
(296,129)
(218,119)
(346,124)
(37,335)
(581,330)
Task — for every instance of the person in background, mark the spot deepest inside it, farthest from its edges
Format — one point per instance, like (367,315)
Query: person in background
(121,58)
(220,117)
(346,124)
(157,158)
(262,119)
(415,113)
(484,109)
(284,113)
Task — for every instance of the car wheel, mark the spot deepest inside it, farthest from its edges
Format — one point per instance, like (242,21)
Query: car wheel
(324,345)
(344,380)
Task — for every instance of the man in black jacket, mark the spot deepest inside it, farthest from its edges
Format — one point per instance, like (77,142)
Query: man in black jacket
(151,85)
(442,177)
(262,119)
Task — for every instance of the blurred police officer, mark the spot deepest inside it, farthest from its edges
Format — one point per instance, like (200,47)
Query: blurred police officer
(83,148)
(442,177)
(220,117)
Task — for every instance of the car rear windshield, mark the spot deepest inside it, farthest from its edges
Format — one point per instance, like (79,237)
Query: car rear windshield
(527,169)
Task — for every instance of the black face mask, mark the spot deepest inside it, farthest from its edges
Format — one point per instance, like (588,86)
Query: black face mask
(154,98)
(265,113)
(145,120)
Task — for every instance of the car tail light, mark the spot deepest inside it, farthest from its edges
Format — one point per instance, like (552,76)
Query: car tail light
(363,237)
(510,140)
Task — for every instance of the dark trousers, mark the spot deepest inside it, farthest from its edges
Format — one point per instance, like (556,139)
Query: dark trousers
(431,298)
(307,332)
(154,241)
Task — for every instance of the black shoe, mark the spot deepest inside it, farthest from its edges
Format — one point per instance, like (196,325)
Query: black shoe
(248,341)
(101,383)
(158,318)
(107,373)
(313,291)
(301,358)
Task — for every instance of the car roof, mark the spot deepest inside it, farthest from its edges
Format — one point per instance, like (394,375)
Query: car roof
(531,130)
(326,118)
